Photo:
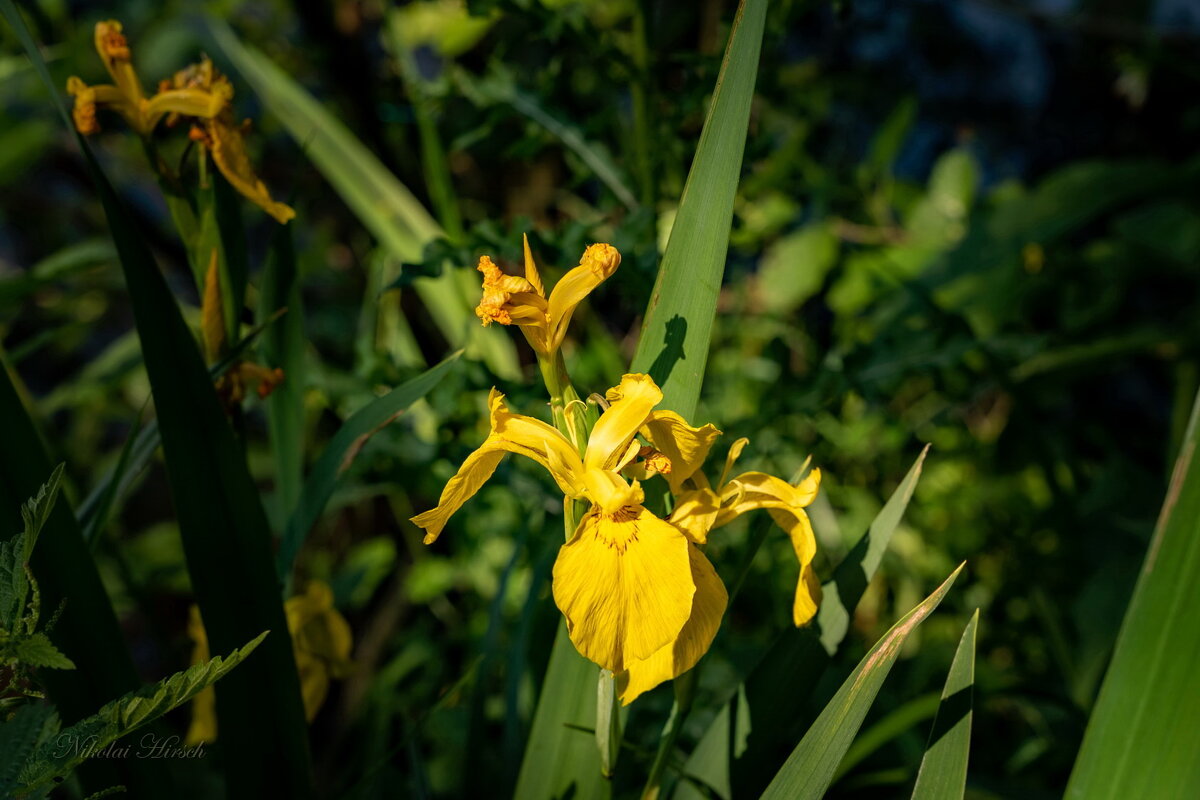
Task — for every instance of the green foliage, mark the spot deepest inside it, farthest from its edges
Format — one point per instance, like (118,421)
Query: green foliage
(51,761)
(810,768)
(1150,698)
(943,772)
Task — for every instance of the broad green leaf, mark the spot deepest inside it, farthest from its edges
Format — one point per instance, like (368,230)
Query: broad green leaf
(943,773)
(127,714)
(753,731)
(1142,738)
(15,554)
(561,758)
(810,769)
(222,524)
(383,204)
(342,449)
(892,725)
(673,346)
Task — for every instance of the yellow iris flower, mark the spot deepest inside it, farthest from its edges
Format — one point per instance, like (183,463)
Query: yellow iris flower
(522,301)
(198,92)
(633,587)
(125,95)
(321,643)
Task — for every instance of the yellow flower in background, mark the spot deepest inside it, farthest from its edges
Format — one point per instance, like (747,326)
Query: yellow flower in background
(198,93)
(522,301)
(223,138)
(125,95)
(321,642)
(629,584)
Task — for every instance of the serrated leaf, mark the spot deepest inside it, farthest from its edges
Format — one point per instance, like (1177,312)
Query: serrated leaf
(38,651)
(943,773)
(19,736)
(125,715)
(807,773)
(36,510)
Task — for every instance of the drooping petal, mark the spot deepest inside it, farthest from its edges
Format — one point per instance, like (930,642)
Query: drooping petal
(624,585)
(228,148)
(696,636)
(632,401)
(473,473)
(804,545)
(511,433)
(686,447)
(188,102)
(695,513)
(598,262)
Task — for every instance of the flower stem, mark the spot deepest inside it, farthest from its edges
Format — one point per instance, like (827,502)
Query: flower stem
(685,693)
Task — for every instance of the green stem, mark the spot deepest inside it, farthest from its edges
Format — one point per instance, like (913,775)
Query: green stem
(685,694)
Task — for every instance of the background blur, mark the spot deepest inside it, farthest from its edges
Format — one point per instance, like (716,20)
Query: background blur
(972,224)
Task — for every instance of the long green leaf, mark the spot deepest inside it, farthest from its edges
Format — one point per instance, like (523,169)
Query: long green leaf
(810,769)
(752,733)
(678,326)
(382,203)
(1143,736)
(943,773)
(340,451)
(225,535)
(673,347)
(561,758)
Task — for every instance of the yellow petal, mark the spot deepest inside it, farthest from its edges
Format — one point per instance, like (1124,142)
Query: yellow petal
(188,102)
(695,513)
(676,658)
(118,60)
(531,270)
(735,450)
(610,492)
(635,398)
(473,473)
(321,640)
(203,726)
(754,490)
(228,150)
(624,585)
(686,447)
(598,262)
(314,684)
(808,597)
(511,433)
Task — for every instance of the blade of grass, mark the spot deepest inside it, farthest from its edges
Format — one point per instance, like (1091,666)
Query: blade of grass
(943,773)
(383,204)
(810,769)
(751,734)
(673,346)
(225,536)
(1142,738)
(342,449)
